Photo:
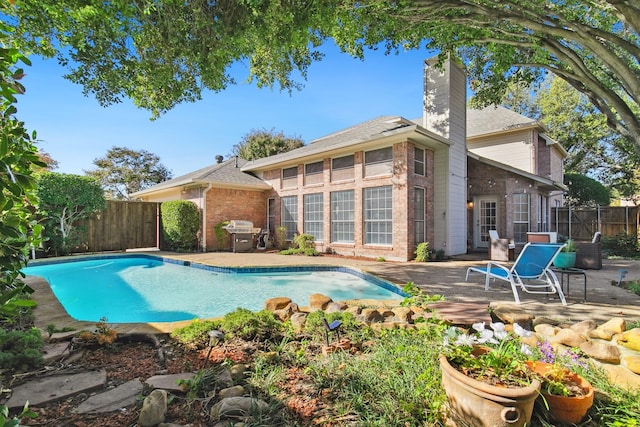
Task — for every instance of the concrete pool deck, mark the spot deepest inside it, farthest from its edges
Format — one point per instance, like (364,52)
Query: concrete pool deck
(446,278)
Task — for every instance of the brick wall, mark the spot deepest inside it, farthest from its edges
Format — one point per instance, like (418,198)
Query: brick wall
(225,204)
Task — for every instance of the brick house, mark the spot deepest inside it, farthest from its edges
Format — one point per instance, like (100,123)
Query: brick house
(379,188)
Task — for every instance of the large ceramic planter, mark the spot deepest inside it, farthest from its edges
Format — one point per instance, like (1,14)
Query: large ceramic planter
(565,260)
(479,404)
(565,409)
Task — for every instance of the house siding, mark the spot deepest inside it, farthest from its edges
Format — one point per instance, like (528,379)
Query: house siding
(514,149)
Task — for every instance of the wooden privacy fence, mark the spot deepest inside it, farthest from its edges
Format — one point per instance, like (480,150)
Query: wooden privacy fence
(124,225)
(582,223)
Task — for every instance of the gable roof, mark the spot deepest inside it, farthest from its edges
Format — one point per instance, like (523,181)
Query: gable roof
(370,131)
(228,173)
(494,119)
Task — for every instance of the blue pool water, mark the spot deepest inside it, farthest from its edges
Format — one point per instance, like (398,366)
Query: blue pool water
(149,289)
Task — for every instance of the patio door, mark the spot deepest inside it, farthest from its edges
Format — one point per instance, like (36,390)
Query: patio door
(485,218)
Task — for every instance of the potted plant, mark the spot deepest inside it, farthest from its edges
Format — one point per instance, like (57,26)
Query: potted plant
(485,378)
(566,258)
(565,394)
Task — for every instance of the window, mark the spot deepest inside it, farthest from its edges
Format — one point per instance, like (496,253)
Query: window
(378,162)
(520,217)
(313,173)
(418,222)
(378,218)
(271,215)
(419,163)
(313,215)
(342,168)
(342,214)
(290,215)
(290,177)
(543,209)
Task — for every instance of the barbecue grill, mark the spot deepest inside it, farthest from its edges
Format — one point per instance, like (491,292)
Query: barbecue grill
(242,234)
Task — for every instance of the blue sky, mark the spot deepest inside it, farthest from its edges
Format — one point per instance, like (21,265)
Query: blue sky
(340,92)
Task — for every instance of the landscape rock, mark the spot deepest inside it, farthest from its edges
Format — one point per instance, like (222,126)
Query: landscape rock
(622,376)
(632,362)
(169,382)
(237,406)
(617,325)
(601,334)
(630,339)
(371,315)
(319,301)
(235,391)
(238,371)
(277,303)
(583,328)
(513,315)
(403,314)
(111,400)
(568,337)
(601,351)
(62,336)
(154,409)
(335,307)
(56,387)
(297,321)
(546,330)
(53,352)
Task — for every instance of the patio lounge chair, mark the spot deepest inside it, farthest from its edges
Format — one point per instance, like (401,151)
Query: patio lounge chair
(531,272)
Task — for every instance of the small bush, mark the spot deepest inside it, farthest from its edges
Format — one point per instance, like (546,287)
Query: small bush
(222,237)
(180,224)
(622,245)
(20,350)
(247,325)
(422,252)
(196,334)
(281,237)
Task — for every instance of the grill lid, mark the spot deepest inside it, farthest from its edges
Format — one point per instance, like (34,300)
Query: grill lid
(239,226)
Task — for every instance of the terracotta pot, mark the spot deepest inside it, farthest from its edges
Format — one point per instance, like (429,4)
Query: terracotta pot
(565,409)
(473,402)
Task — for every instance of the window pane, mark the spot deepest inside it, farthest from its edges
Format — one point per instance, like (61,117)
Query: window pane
(289,177)
(342,168)
(419,204)
(520,217)
(342,214)
(378,215)
(378,156)
(313,219)
(342,162)
(313,168)
(290,215)
(271,215)
(419,161)
(378,162)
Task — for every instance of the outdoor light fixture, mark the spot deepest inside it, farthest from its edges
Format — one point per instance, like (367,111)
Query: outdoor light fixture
(215,338)
(331,327)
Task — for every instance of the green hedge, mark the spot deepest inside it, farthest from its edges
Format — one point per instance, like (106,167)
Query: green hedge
(180,225)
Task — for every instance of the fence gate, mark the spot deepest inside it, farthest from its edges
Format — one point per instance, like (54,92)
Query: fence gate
(582,223)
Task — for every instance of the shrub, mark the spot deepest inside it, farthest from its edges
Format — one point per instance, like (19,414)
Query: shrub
(281,237)
(622,244)
(304,241)
(222,237)
(20,350)
(196,334)
(247,325)
(422,252)
(180,224)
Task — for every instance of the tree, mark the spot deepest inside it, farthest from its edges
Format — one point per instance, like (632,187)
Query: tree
(264,143)
(64,200)
(18,227)
(162,53)
(49,162)
(124,171)
(585,191)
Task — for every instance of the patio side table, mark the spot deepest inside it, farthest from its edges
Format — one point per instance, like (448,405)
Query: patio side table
(568,272)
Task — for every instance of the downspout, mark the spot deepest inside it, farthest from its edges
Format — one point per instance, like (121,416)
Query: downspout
(204,216)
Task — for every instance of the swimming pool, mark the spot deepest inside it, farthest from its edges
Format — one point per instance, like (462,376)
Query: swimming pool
(141,288)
